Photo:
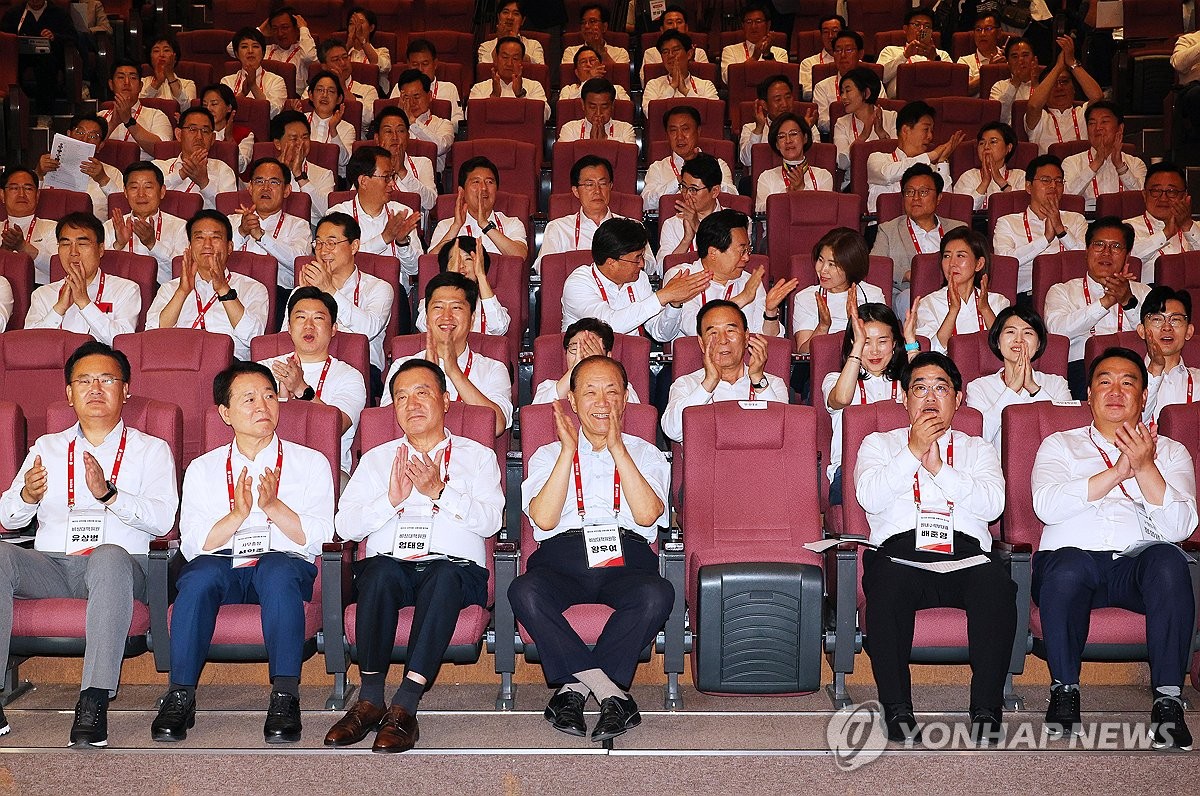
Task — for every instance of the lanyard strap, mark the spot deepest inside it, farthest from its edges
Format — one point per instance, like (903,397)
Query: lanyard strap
(579,487)
(1087,298)
(274,235)
(28,232)
(1108,462)
(787,182)
(157,234)
(229,471)
(862,390)
(116,468)
(917,475)
(201,311)
(1058,131)
(912,233)
(324,373)
(1029,232)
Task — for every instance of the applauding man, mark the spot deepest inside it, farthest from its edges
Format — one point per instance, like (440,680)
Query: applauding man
(475,213)
(194,171)
(128,119)
(264,228)
(387,226)
(147,229)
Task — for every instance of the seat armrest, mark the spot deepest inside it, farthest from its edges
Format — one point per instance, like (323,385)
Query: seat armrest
(506,558)
(1190,546)
(841,590)
(1013,548)
(158,597)
(671,560)
(336,588)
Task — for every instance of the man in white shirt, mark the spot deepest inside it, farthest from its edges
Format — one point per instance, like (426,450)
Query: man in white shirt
(674,18)
(23,231)
(723,251)
(588,64)
(129,119)
(914,126)
(682,124)
(587,337)
(255,514)
(506,80)
(1051,116)
(676,51)
(309,373)
(1042,228)
(756,27)
(450,303)
(616,290)
(292,43)
(193,171)
(929,493)
(918,46)
(1166,328)
(190,300)
(1104,301)
(593,24)
(424,548)
(1166,227)
(1022,66)
(510,17)
(103,179)
(264,228)
(465,256)
(128,480)
(147,229)
(422,55)
(987,32)
(847,54)
(364,301)
(724,339)
(291,134)
(591,183)
(830,27)
(597,97)
(775,98)
(1185,60)
(475,213)
(387,226)
(252,80)
(86,300)
(335,58)
(1104,167)
(1115,498)
(413,89)
(621,495)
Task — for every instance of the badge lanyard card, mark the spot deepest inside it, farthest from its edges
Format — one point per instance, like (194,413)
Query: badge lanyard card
(410,541)
(249,542)
(601,541)
(85,527)
(935,527)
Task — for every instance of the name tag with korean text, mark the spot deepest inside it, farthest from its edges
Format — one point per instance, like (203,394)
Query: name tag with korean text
(602,543)
(935,531)
(85,531)
(412,537)
(756,404)
(250,543)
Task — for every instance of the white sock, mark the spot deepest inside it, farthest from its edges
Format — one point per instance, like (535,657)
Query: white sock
(1167,691)
(600,685)
(578,688)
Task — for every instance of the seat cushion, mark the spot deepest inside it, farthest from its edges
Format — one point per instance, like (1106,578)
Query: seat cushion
(1108,626)
(587,620)
(242,623)
(472,623)
(65,617)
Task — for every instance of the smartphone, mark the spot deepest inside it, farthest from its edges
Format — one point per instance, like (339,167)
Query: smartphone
(924,36)
(1060,25)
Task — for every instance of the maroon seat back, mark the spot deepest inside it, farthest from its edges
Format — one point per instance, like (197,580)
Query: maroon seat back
(958,206)
(1050,269)
(623,157)
(743,79)
(175,203)
(17,268)
(974,357)
(31,370)
(555,270)
(13,445)
(518,162)
(859,152)
(930,79)
(796,221)
(712,117)
(351,348)
(927,276)
(1122,204)
(1180,271)
(507,119)
(968,114)
(632,351)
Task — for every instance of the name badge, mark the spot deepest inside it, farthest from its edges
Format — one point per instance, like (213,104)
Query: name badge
(602,543)
(753,404)
(104,306)
(85,531)
(250,543)
(935,531)
(412,538)
(1146,523)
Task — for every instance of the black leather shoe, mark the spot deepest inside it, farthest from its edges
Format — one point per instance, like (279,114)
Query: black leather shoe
(1062,717)
(176,715)
(987,727)
(901,724)
(5,727)
(1167,727)
(565,713)
(91,723)
(283,719)
(616,716)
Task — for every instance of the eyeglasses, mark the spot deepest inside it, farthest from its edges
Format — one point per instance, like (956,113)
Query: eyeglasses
(1048,181)
(328,243)
(1170,193)
(789,135)
(86,135)
(390,175)
(591,185)
(85,382)
(639,261)
(920,25)
(845,50)
(985,29)
(912,193)
(1111,245)
(191,128)
(259,182)
(691,189)
(921,390)
(1158,320)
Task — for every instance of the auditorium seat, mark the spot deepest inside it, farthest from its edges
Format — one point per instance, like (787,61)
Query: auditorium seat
(974,356)
(31,370)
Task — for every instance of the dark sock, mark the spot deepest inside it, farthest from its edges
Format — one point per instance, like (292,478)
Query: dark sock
(372,688)
(98,694)
(409,695)
(288,685)
(191,689)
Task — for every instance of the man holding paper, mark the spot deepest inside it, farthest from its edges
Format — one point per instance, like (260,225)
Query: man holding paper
(424,548)
(100,492)
(72,164)
(255,514)
(929,494)
(1115,498)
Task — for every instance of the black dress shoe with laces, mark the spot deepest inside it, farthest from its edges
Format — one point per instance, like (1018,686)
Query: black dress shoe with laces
(1167,727)
(901,724)
(1062,717)
(90,727)
(616,716)
(565,713)
(987,727)
(5,727)
(283,719)
(176,715)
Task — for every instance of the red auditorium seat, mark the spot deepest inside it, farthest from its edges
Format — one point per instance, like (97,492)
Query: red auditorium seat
(31,370)
(632,351)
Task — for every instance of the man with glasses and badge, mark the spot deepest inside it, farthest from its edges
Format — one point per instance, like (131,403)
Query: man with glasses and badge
(1166,227)
(193,171)
(264,227)
(387,227)
(1165,328)
(103,179)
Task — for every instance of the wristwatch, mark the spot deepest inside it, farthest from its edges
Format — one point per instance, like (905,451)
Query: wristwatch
(131,123)
(302,176)
(767,317)
(760,385)
(230,296)
(112,491)
(308,394)
(1131,304)
(490,226)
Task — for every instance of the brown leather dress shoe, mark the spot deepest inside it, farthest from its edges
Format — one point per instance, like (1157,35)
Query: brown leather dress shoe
(398,732)
(355,725)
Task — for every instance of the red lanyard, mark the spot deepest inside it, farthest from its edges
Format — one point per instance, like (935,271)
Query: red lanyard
(471,230)
(116,468)
(917,474)
(1029,233)
(728,292)
(28,232)
(191,185)
(584,125)
(1189,387)
(482,318)
(274,235)
(229,471)
(1108,462)
(201,311)
(600,285)
(386,209)
(324,373)
(1095,176)
(788,183)
(1150,229)
(279,51)
(466,375)
(157,235)
(1087,298)
(237,89)
(912,233)
(579,487)
(97,301)
(862,390)
(1058,131)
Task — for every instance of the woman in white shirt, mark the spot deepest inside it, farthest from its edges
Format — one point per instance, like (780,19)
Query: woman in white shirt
(864,120)
(360,27)
(841,259)
(1017,338)
(220,101)
(790,137)
(995,144)
(964,305)
(325,121)
(164,83)
(874,352)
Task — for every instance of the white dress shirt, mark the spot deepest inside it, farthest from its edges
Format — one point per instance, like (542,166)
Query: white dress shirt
(533,90)
(221,179)
(343,388)
(747,139)
(366,96)
(187,91)
(284,239)
(320,185)
(688,390)
(653,56)
(384,56)
(772,181)
(42,234)
(489,376)
(371,240)
(1083,181)
(968,181)
(883,479)
(151,119)
(804,306)
(847,127)
(419,179)
(305,486)
(341,136)
(364,305)
(533,51)
(470,509)
(1185,58)
(581,130)
(616,54)
(875,388)
(510,227)
(100,193)
(1011,237)
(990,395)
(272,86)
(1066,460)
(596,469)
(1056,127)
(569,234)
(806,67)
(660,88)
(587,293)
(974,62)
(251,293)
(443,90)
(1071,314)
(670,233)
(892,56)
(245,147)
(6,303)
(740,53)
(146,500)
(1006,93)
(1179,385)
(490,317)
(691,308)
(107,315)
(547,392)
(663,178)
(436,130)
(170,239)
(303,54)
(934,308)
(1150,241)
(572,90)
(884,170)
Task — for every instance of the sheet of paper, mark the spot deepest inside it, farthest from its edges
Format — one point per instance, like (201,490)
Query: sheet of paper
(70,154)
(942,567)
(825,544)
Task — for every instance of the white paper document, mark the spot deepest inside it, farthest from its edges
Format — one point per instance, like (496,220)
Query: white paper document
(70,154)
(943,567)
(824,544)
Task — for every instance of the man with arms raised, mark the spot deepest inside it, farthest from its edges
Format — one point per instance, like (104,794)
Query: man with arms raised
(475,213)
(386,226)
(264,228)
